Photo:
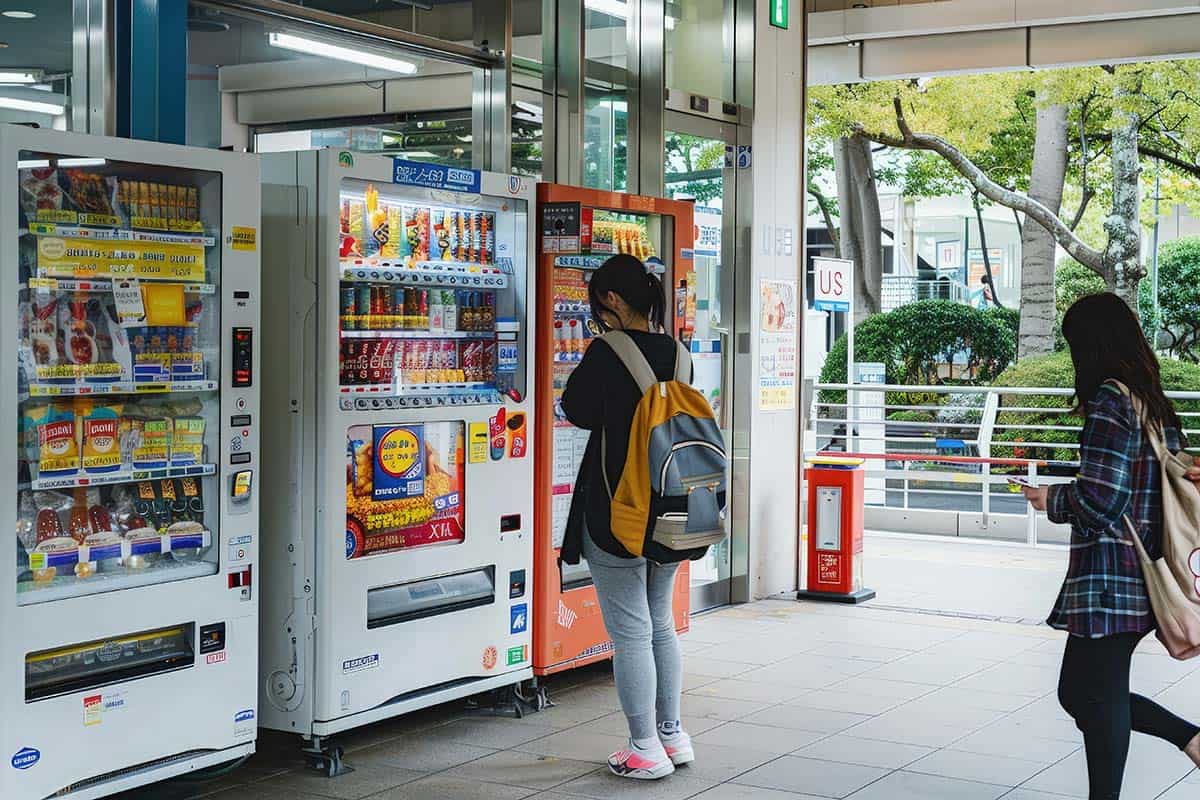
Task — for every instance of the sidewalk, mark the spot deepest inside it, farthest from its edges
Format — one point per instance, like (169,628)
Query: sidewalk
(789,701)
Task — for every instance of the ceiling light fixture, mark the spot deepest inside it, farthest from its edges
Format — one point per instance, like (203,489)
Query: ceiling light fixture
(314,47)
(19,76)
(19,14)
(17,104)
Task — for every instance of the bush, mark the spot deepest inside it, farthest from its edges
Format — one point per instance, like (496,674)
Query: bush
(1056,371)
(1179,295)
(915,341)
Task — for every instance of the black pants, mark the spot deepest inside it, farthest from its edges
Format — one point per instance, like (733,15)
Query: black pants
(1093,687)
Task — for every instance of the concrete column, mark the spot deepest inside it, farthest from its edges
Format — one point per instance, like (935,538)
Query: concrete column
(776,253)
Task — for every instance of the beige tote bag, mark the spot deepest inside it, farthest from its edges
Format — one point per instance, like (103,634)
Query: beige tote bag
(1173,581)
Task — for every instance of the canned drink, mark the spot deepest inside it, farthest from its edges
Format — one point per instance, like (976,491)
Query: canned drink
(477,236)
(422,321)
(348,298)
(362,305)
(397,319)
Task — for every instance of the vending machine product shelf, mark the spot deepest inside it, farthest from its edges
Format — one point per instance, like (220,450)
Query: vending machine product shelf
(401,516)
(132,278)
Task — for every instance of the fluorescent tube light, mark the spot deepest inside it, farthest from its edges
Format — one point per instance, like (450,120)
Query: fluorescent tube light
(19,76)
(314,47)
(17,104)
(40,163)
(417,154)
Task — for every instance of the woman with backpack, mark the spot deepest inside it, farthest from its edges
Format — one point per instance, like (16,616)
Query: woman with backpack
(635,594)
(1104,604)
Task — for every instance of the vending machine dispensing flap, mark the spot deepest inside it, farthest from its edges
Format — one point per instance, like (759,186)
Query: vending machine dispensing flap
(390,605)
(79,667)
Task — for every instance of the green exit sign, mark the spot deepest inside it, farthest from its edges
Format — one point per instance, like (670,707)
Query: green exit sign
(779,13)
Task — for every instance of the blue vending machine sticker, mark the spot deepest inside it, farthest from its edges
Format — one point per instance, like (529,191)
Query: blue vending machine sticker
(399,461)
(26,757)
(518,618)
(435,176)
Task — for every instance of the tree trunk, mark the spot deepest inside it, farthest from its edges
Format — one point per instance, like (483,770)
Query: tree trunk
(1122,257)
(850,235)
(989,278)
(1038,246)
(870,227)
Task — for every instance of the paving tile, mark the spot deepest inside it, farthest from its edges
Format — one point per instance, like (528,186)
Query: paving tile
(514,768)
(720,708)
(577,744)
(693,681)
(566,715)
(733,791)
(417,754)
(1180,791)
(364,781)
(249,792)
(862,652)
(1014,743)
(741,688)
(877,687)
(715,667)
(804,718)
(603,785)
(615,724)
(954,697)
(897,728)
(1029,794)
(983,768)
(1153,767)
(496,733)
(719,763)
(866,752)
(772,740)
(913,786)
(1012,679)
(931,669)
(440,787)
(848,702)
(825,778)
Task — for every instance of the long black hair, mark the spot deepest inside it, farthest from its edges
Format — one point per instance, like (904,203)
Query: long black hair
(1107,343)
(627,277)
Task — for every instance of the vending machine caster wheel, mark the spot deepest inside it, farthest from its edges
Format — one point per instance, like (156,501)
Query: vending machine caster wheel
(327,759)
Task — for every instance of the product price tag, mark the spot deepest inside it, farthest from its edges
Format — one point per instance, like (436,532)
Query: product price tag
(127,295)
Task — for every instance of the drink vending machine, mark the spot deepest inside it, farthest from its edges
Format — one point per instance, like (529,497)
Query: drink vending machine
(579,230)
(130,628)
(400,414)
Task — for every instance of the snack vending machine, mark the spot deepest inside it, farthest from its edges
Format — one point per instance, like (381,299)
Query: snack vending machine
(579,230)
(129,636)
(400,412)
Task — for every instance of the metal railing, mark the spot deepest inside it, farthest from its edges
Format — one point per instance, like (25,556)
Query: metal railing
(900,290)
(939,458)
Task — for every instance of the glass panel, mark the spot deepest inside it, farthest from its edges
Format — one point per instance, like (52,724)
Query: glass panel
(694,171)
(119,352)
(694,62)
(404,487)
(430,302)
(78,667)
(36,62)
(527,132)
(606,110)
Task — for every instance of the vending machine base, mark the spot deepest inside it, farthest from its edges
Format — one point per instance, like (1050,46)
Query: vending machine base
(854,598)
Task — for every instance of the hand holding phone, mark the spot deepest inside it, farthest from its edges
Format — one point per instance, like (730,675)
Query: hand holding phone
(1023,482)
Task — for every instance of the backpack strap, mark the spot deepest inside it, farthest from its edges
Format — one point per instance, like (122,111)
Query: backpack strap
(633,359)
(683,363)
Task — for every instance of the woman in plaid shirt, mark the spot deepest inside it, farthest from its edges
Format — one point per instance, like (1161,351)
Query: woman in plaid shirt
(1103,604)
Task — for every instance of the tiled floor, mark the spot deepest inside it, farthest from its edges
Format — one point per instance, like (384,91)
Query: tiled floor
(786,701)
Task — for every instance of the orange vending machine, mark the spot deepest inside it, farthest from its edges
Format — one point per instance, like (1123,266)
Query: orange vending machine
(578,230)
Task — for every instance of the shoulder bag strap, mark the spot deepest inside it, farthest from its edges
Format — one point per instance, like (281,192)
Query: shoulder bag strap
(683,363)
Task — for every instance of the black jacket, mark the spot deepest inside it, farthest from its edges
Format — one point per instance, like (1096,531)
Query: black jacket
(601,396)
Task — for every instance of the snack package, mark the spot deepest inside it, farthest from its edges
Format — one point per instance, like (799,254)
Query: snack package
(40,192)
(92,194)
(100,435)
(58,449)
(357,230)
(391,249)
(441,231)
(187,445)
(43,329)
(376,233)
(154,449)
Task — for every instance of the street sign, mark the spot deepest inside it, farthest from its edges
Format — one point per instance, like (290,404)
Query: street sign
(832,282)
(779,13)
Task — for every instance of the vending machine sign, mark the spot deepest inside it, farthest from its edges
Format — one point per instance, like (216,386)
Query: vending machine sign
(399,461)
(404,487)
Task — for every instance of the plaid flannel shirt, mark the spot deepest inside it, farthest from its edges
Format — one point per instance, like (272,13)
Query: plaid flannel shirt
(1104,592)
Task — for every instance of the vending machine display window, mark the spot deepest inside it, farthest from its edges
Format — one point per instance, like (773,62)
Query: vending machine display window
(428,299)
(404,487)
(118,367)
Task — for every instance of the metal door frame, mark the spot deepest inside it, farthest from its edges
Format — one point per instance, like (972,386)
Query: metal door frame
(722,592)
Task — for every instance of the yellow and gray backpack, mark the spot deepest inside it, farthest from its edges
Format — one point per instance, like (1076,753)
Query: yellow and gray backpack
(669,504)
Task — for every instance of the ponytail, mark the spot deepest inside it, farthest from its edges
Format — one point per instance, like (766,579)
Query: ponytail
(627,277)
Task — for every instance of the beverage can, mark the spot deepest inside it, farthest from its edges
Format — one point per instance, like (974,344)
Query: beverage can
(362,305)
(347,298)
(397,319)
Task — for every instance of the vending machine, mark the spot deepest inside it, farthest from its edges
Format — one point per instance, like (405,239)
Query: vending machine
(129,639)
(579,230)
(400,414)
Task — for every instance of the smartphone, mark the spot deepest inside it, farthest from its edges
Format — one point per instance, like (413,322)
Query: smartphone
(1021,482)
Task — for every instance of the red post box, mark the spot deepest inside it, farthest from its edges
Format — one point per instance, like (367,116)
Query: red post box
(835,533)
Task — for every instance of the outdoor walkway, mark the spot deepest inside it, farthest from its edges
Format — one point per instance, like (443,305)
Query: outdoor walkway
(789,701)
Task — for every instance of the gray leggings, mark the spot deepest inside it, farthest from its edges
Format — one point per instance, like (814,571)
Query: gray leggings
(635,599)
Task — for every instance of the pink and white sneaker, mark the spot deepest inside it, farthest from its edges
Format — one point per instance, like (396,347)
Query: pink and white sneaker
(646,765)
(679,748)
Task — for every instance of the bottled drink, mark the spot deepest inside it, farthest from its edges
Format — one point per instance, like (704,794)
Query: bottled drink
(449,310)
(437,311)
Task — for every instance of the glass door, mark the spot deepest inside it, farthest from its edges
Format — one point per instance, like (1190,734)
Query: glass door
(694,163)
